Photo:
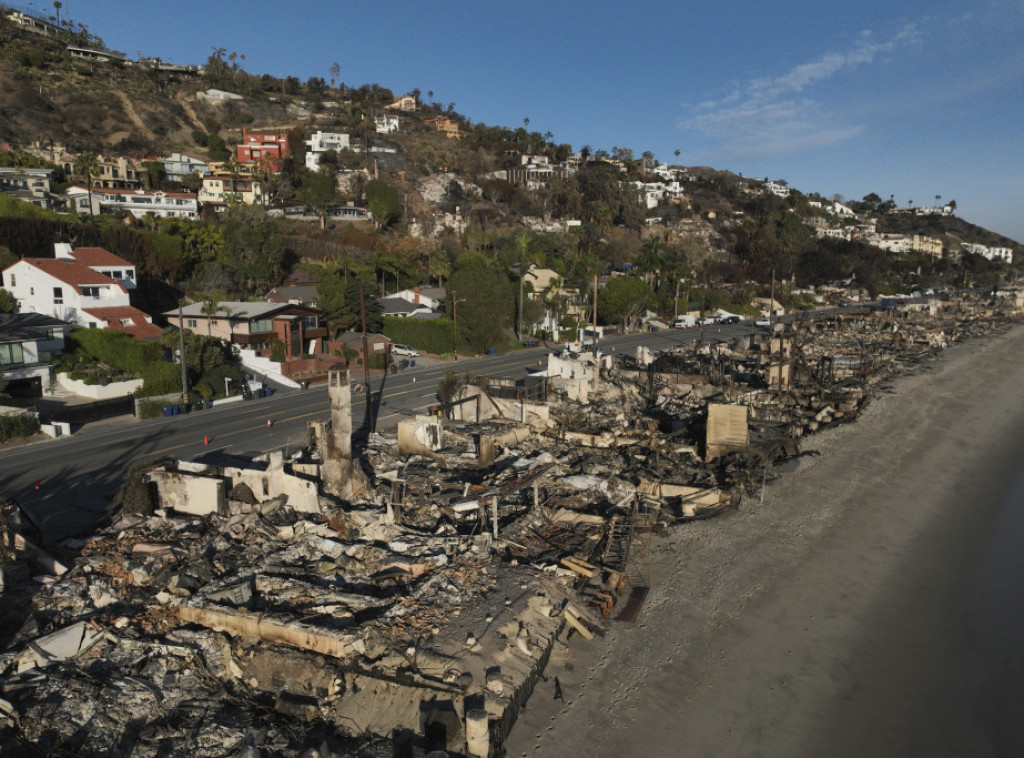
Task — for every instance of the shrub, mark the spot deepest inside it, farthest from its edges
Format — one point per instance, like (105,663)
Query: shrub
(18,425)
(433,336)
(277,351)
(150,408)
(160,378)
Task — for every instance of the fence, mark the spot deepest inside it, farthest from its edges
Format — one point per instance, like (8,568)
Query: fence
(97,411)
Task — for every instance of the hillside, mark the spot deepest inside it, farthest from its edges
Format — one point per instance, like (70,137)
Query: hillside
(442,197)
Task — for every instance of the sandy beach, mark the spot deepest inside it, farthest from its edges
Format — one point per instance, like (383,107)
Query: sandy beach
(870,606)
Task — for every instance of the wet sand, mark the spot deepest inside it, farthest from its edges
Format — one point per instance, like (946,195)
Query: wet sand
(872,604)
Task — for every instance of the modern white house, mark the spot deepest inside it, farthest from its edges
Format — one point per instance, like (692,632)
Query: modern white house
(27,343)
(321,142)
(177,166)
(137,202)
(87,287)
(386,124)
(993,253)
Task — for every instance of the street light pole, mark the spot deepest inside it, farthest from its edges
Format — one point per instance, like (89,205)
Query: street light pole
(227,383)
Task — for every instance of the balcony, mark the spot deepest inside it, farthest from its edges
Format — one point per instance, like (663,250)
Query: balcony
(253,339)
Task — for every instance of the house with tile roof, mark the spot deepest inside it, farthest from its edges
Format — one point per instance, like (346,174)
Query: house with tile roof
(87,287)
(256,326)
(137,202)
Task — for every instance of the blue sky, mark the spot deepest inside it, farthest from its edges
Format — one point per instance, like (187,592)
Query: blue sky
(911,99)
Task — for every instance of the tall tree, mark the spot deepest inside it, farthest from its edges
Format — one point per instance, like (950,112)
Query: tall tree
(254,252)
(486,298)
(319,191)
(623,300)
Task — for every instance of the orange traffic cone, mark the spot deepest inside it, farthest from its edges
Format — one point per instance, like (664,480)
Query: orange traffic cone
(268,423)
(414,380)
(37,484)
(206,440)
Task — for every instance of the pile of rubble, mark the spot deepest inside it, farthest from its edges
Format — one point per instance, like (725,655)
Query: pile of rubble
(407,598)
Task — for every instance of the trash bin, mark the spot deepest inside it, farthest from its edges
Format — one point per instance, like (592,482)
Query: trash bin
(405,363)
(167,410)
(267,392)
(412,362)
(492,351)
(304,385)
(175,410)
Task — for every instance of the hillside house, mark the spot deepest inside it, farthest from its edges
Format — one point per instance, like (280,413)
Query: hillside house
(30,185)
(223,188)
(27,343)
(534,172)
(431,297)
(1004,254)
(268,148)
(136,202)
(257,326)
(86,287)
(295,294)
(404,103)
(117,173)
(386,124)
(398,306)
(177,166)
(321,142)
(446,126)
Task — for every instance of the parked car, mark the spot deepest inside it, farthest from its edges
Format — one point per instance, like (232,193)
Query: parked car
(399,349)
(730,320)
(707,320)
(763,321)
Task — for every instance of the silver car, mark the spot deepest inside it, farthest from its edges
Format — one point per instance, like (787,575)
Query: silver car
(398,349)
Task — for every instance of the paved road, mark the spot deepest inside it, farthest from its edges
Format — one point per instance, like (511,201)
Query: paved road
(77,475)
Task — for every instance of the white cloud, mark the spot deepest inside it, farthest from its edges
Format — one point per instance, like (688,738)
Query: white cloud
(774,116)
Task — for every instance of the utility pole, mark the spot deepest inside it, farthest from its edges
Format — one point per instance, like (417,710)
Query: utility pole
(366,364)
(455,325)
(677,297)
(181,349)
(519,323)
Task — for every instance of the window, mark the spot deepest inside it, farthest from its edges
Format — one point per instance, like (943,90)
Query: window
(260,326)
(127,322)
(14,280)
(190,323)
(58,296)
(90,291)
(11,354)
(31,290)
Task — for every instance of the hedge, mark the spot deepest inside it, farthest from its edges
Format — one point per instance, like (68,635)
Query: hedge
(117,349)
(159,378)
(431,336)
(18,425)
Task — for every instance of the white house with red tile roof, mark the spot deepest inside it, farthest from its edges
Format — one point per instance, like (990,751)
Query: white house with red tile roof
(73,288)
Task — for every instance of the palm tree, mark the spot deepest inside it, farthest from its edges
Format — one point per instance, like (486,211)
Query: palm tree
(440,268)
(87,165)
(209,309)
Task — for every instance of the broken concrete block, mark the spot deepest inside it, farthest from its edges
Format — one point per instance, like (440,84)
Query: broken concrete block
(69,642)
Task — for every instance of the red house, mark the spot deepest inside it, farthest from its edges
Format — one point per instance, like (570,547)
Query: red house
(260,147)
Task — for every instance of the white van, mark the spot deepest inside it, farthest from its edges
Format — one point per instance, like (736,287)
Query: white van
(684,322)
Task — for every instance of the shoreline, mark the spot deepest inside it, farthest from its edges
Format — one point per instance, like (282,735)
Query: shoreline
(827,620)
